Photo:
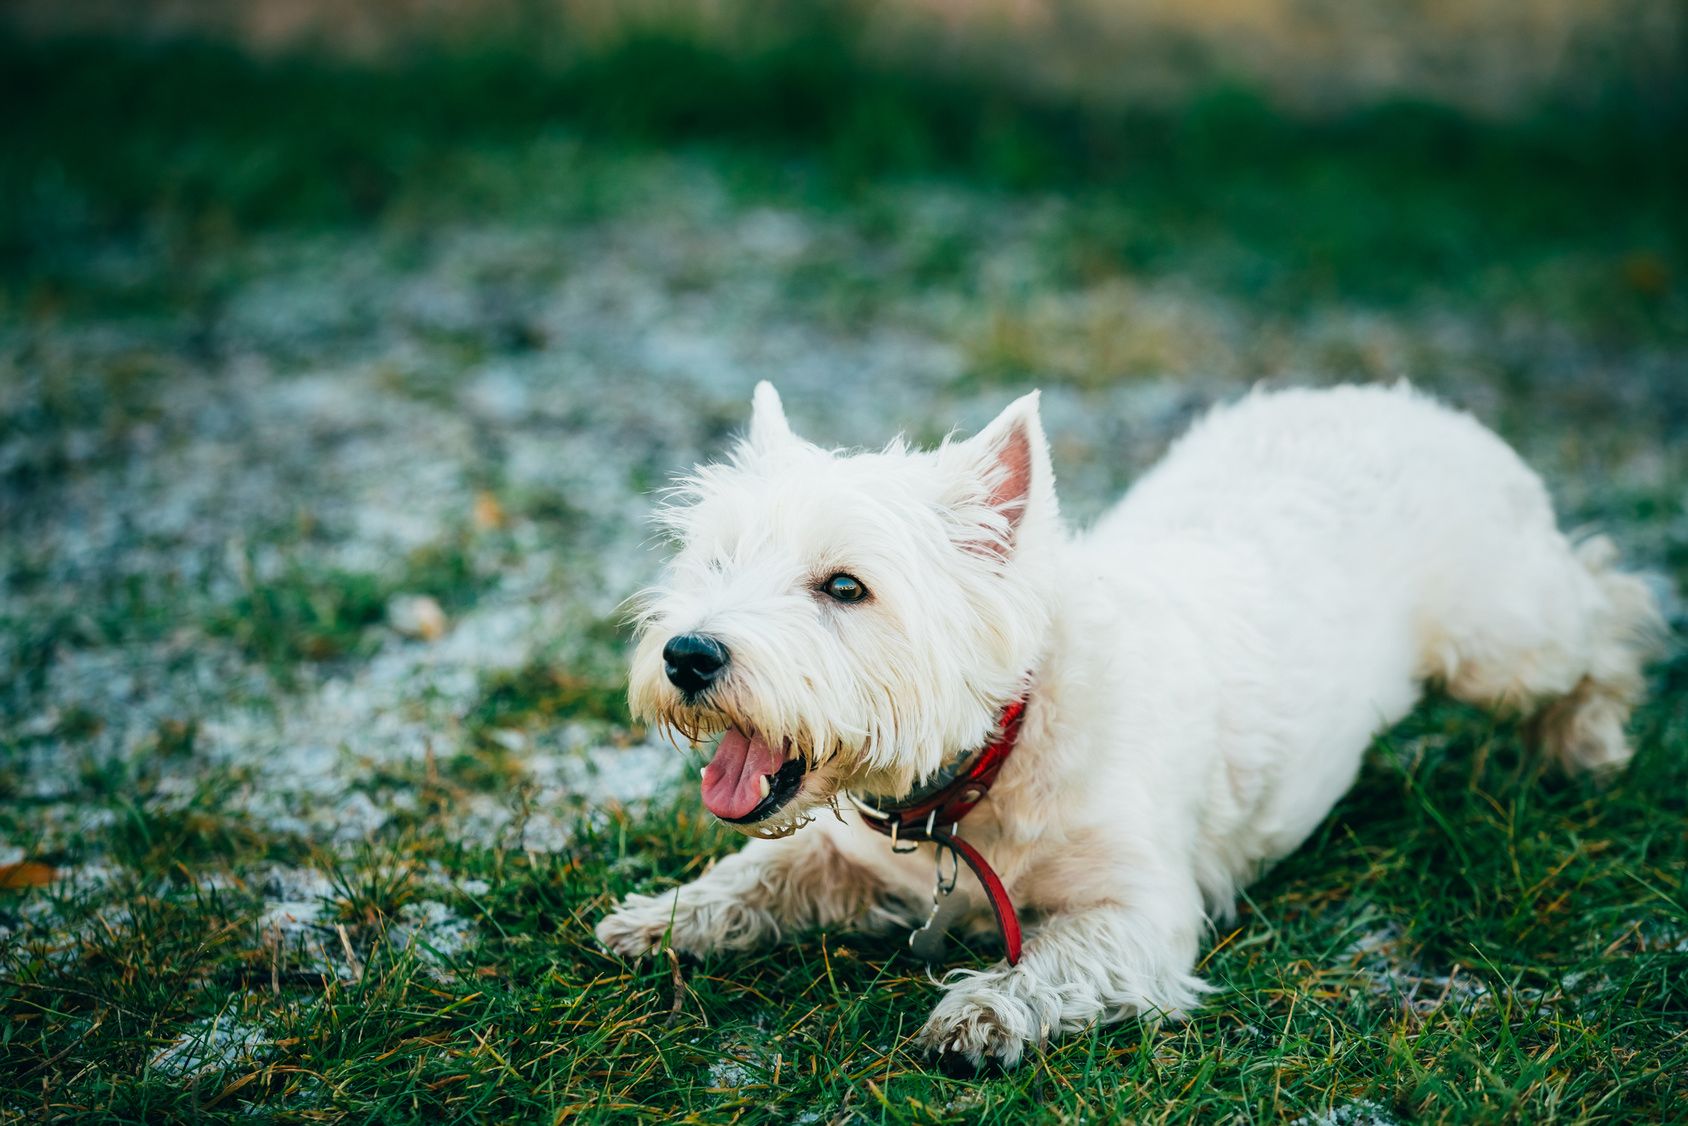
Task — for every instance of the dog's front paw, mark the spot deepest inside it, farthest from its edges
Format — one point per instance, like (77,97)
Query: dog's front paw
(982,1025)
(638,926)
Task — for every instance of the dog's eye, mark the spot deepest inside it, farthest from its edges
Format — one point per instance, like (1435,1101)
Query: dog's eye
(845,588)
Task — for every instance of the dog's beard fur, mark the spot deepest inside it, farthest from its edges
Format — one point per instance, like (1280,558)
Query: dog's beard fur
(876,695)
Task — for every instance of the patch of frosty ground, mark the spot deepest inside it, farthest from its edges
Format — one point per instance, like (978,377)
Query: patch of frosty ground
(581,782)
(1361,1112)
(300,914)
(215,1044)
(411,699)
(742,1065)
(1386,972)
(296,899)
(20,915)
(433,930)
(298,918)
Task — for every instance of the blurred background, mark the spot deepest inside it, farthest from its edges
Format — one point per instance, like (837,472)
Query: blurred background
(341,346)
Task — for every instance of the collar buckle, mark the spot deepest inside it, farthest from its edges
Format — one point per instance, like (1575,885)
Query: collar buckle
(898,845)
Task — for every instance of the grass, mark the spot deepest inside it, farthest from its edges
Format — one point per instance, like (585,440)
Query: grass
(307,612)
(1464,940)
(400,931)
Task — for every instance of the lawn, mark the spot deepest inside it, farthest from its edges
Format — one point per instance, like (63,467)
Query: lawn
(331,402)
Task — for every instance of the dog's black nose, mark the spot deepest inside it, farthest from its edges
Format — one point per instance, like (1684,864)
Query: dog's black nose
(693,662)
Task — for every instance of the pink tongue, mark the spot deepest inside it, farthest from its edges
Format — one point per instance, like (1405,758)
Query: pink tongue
(732,782)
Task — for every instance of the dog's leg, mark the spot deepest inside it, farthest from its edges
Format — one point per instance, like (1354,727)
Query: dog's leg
(1561,630)
(750,898)
(1096,964)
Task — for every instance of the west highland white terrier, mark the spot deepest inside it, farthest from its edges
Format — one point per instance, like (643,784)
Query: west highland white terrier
(1135,720)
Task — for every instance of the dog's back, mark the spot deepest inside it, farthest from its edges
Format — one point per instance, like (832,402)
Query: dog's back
(1402,542)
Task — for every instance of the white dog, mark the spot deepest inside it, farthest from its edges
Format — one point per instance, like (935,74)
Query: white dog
(1201,673)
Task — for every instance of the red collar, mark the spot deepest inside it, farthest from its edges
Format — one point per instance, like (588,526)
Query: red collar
(933,817)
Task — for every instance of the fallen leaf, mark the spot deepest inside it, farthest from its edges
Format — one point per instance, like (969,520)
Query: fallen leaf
(489,514)
(27,874)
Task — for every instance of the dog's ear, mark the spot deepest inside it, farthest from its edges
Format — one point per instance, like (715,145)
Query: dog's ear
(768,427)
(1006,471)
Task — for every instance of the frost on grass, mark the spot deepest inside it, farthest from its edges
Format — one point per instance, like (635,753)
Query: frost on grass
(296,898)
(1387,969)
(301,919)
(433,931)
(1360,1112)
(602,776)
(731,1074)
(744,1061)
(215,1044)
(297,922)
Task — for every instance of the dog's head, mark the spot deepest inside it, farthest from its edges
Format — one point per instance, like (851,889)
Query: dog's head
(845,620)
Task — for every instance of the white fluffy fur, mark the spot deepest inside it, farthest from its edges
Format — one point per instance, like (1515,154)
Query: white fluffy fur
(1206,667)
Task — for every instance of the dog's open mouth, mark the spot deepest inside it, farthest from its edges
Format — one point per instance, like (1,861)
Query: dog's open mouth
(751,779)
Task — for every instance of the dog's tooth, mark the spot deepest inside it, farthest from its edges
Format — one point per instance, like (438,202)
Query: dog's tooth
(764,787)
